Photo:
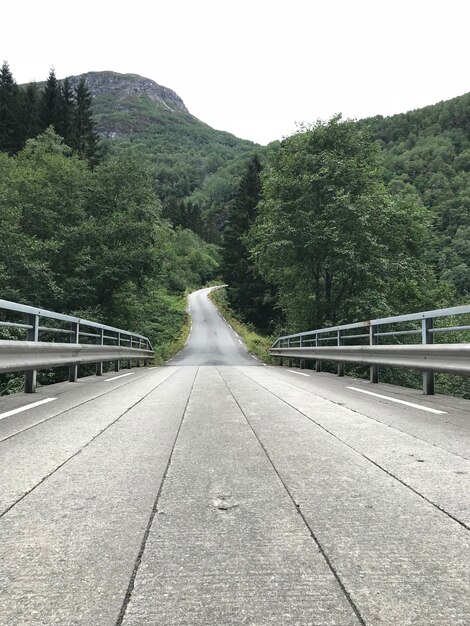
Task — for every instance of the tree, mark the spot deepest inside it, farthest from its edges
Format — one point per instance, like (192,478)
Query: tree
(67,105)
(329,236)
(51,101)
(10,139)
(247,292)
(42,208)
(84,139)
(30,113)
(120,231)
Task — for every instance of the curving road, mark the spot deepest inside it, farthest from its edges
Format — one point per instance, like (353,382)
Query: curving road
(211,341)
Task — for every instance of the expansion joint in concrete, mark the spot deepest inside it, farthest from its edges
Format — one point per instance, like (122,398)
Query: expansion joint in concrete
(153,512)
(297,508)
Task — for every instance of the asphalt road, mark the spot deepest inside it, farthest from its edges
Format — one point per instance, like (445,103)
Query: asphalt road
(211,341)
(204,495)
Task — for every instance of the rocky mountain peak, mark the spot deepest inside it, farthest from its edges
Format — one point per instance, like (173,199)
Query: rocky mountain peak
(125,86)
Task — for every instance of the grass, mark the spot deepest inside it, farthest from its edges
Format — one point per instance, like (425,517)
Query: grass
(257,344)
(166,351)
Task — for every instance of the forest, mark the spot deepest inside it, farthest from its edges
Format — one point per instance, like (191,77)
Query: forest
(344,220)
(350,220)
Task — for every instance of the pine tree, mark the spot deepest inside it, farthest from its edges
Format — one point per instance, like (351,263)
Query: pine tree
(10,136)
(84,138)
(51,103)
(67,104)
(247,292)
(30,112)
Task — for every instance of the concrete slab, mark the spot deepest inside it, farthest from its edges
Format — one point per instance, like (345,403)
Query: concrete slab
(68,396)
(227,545)
(32,455)
(401,560)
(68,550)
(438,475)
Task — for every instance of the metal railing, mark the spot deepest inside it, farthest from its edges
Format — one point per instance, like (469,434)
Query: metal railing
(88,342)
(361,343)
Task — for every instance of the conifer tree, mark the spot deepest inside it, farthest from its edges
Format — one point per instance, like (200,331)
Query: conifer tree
(247,292)
(30,114)
(67,104)
(10,139)
(84,138)
(51,103)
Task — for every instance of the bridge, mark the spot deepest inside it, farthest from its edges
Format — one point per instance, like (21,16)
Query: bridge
(218,491)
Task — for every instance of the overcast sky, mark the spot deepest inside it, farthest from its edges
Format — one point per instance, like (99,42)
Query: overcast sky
(254,67)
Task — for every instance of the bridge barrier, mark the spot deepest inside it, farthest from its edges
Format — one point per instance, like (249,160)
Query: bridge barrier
(89,342)
(426,356)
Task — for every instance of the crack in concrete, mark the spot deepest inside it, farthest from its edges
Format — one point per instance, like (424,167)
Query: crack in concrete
(83,447)
(130,588)
(297,509)
(402,482)
(75,406)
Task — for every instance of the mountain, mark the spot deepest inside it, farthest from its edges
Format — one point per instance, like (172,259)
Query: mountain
(190,159)
(128,103)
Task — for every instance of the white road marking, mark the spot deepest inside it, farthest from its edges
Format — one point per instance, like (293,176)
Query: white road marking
(108,380)
(414,406)
(299,373)
(26,407)
(240,341)
(253,357)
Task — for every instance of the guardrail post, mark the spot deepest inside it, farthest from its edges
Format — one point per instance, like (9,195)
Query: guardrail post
(129,361)
(427,337)
(74,338)
(318,366)
(301,361)
(147,347)
(99,366)
(140,346)
(118,362)
(373,341)
(32,334)
(340,342)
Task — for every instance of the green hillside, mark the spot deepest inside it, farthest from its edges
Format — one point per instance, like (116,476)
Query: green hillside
(427,155)
(301,237)
(190,160)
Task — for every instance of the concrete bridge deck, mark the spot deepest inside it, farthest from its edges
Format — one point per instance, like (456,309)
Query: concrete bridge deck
(231,493)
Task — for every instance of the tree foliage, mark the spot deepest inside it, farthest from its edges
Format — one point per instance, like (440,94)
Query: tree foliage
(10,124)
(51,103)
(26,112)
(92,242)
(427,151)
(330,237)
(247,292)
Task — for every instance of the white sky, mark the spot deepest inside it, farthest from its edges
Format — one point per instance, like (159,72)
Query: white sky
(254,67)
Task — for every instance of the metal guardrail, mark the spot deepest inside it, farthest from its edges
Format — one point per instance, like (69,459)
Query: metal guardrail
(100,343)
(353,345)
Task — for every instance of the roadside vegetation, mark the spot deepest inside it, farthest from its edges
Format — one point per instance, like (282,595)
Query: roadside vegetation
(88,238)
(335,229)
(257,344)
